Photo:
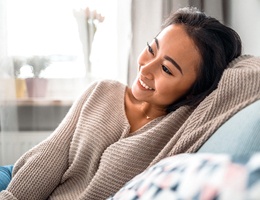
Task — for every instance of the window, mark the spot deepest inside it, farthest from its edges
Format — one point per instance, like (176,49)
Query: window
(46,27)
(62,32)
(83,40)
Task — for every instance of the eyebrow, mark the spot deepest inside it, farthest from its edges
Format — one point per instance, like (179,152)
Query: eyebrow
(169,58)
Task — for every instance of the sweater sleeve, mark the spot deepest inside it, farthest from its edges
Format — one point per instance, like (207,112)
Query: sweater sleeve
(38,172)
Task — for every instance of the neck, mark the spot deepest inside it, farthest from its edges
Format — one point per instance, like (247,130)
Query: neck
(151,112)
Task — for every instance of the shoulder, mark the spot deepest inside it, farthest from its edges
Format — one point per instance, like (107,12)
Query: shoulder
(106,83)
(105,88)
(101,89)
(110,83)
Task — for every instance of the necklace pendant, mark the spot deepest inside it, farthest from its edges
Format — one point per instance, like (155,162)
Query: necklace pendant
(147,117)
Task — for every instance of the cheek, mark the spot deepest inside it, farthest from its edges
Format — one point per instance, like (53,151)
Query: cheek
(166,94)
(135,89)
(172,92)
(184,89)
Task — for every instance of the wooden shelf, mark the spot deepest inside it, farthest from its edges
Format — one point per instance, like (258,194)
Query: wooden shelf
(38,102)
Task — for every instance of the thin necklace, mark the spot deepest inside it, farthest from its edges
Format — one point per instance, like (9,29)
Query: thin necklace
(147,117)
(145,114)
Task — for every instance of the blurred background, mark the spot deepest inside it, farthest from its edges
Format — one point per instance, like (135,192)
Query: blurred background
(51,50)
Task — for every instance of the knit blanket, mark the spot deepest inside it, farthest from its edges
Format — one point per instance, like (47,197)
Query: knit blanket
(238,87)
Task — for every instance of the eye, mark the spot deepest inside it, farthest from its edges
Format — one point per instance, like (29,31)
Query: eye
(150,49)
(166,70)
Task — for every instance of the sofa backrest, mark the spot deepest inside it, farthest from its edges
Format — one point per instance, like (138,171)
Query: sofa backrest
(239,136)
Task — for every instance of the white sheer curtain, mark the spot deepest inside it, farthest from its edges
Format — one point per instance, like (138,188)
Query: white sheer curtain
(6,84)
(25,121)
(146,17)
(112,40)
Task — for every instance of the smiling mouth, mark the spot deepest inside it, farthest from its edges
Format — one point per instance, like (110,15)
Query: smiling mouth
(144,85)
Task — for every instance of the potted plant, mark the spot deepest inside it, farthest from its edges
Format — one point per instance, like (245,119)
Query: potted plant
(20,86)
(36,85)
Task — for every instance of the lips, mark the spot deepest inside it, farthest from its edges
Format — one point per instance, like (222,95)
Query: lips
(144,85)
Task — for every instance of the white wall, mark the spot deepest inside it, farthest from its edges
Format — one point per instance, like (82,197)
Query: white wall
(244,17)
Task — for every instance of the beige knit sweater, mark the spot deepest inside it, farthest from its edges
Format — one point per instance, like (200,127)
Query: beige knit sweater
(91,155)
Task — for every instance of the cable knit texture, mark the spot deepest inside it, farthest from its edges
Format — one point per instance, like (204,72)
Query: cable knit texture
(91,154)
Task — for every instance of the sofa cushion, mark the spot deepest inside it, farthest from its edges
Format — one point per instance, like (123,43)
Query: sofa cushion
(5,176)
(196,176)
(239,136)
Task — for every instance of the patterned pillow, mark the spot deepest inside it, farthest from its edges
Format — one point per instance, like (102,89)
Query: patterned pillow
(196,176)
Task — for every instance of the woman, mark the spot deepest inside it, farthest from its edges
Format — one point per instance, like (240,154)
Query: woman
(113,132)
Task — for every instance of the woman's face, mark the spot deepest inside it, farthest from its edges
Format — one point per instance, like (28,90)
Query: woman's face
(168,68)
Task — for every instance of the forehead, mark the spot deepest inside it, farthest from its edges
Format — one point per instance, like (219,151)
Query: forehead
(175,43)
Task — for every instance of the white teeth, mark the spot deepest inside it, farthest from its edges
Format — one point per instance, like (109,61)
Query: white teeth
(144,85)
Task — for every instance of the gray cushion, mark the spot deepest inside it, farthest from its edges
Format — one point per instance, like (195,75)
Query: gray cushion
(239,136)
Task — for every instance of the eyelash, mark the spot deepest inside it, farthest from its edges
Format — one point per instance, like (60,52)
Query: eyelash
(164,68)
(150,49)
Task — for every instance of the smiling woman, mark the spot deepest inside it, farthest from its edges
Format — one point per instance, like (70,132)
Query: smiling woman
(113,132)
(160,80)
(162,52)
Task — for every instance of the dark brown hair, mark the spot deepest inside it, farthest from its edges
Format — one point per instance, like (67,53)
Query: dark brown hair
(218,45)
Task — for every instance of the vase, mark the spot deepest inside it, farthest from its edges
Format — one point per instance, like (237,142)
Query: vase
(36,87)
(20,88)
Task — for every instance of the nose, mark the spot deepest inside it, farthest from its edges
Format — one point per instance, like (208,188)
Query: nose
(148,70)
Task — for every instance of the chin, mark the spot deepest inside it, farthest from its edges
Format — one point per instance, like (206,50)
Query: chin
(135,92)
